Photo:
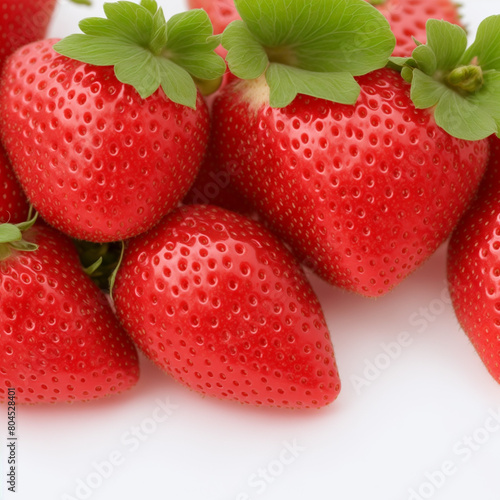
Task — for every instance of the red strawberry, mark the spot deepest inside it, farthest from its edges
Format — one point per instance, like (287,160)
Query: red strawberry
(221,12)
(474,268)
(220,304)
(22,22)
(213,186)
(406,17)
(13,203)
(101,151)
(363,193)
(60,340)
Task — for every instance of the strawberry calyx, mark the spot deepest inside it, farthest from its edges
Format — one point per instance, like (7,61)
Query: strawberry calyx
(312,48)
(11,238)
(99,260)
(147,51)
(460,84)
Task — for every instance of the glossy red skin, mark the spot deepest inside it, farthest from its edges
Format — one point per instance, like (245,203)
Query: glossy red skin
(59,339)
(363,194)
(406,17)
(218,302)
(213,186)
(474,267)
(98,162)
(22,22)
(14,206)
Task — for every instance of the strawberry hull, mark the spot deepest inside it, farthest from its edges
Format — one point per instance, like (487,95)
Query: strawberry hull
(363,194)
(406,17)
(96,160)
(217,302)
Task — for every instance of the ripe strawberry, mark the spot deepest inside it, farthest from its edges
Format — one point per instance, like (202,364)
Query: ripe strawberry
(213,186)
(60,340)
(22,22)
(13,203)
(363,193)
(101,151)
(220,304)
(474,268)
(406,17)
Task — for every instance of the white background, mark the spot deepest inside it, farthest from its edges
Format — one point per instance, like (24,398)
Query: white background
(424,411)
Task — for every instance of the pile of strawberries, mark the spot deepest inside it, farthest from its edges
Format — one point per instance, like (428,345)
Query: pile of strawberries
(330,142)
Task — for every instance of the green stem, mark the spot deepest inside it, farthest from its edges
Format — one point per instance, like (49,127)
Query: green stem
(468,79)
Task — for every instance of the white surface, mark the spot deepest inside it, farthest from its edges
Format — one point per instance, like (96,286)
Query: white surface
(425,412)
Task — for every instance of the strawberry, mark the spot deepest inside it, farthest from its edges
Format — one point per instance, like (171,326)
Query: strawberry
(22,22)
(406,17)
(220,304)
(474,267)
(213,186)
(60,339)
(13,203)
(363,187)
(124,128)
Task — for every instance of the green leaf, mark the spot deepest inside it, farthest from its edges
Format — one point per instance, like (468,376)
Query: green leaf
(425,59)
(486,46)
(81,2)
(286,82)
(447,41)
(141,70)
(150,5)
(147,51)
(11,237)
(177,83)
(93,267)
(246,57)
(24,246)
(97,50)
(463,119)
(191,44)
(325,36)
(487,99)
(463,93)
(9,233)
(312,48)
(425,91)
(112,278)
(132,19)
